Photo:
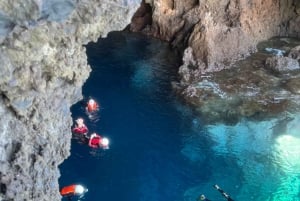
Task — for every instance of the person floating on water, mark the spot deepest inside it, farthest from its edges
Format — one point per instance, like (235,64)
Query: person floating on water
(96,141)
(80,127)
(203,198)
(228,198)
(92,105)
(73,190)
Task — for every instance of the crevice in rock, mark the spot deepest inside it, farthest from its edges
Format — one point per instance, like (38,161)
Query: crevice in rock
(34,127)
(17,168)
(33,159)
(181,38)
(2,188)
(232,17)
(10,107)
(15,148)
(40,150)
(172,4)
(32,113)
(142,18)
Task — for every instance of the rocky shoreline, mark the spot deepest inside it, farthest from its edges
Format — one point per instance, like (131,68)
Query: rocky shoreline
(262,86)
(214,36)
(217,34)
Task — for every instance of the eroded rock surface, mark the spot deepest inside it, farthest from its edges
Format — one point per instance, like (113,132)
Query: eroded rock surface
(282,64)
(213,36)
(252,88)
(43,66)
(221,32)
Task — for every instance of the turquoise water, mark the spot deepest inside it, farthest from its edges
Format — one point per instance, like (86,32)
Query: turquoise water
(159,150)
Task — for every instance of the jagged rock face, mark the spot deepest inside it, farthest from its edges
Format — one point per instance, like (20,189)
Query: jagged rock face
(43,66)
(221,32)
(263,86)
(213,35)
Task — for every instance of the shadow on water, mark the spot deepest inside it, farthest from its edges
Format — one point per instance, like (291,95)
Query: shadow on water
(159,150)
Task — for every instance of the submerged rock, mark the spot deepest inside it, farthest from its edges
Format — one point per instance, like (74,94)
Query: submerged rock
(293,85)
(295,53)
(213,36)
(248,90)
(282,64)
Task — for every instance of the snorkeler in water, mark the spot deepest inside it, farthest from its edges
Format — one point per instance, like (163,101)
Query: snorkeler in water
(203,198)
(73,190)
(80,127)
(92,105)
(96,141)
(228,198)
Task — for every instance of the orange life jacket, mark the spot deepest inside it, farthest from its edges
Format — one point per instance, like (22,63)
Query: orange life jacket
(68,190)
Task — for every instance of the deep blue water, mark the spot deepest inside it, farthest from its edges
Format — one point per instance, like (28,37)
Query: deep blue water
(131,79)
(158,150)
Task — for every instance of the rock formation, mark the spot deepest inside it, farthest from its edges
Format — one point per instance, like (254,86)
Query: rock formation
(219,32)
(43,66)
(213,35)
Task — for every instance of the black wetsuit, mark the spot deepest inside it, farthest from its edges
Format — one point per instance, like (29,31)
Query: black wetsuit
(224,194)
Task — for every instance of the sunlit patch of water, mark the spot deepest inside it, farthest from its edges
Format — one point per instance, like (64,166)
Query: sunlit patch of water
(286,156)
(251,160)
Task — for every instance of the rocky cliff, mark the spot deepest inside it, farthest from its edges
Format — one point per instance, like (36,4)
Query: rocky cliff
(213,35)
(218,33)
(43,66)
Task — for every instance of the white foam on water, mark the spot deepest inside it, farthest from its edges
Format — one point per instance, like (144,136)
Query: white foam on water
(275,51)
(213,86)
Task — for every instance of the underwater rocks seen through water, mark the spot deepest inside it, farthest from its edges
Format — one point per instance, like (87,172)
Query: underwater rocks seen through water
(264,85)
